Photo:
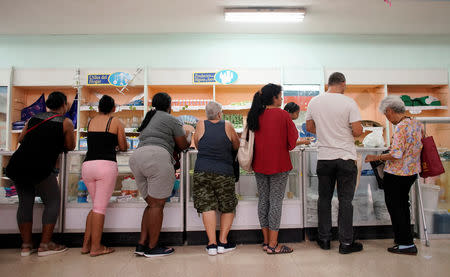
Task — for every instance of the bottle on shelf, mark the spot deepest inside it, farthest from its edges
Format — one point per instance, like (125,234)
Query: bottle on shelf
(134,142)
(82,192)
(133,189)
(83,143)
(135,122)
(125,186)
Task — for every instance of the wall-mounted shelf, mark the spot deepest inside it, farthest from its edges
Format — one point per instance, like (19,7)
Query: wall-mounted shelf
(89,108)
(419,109)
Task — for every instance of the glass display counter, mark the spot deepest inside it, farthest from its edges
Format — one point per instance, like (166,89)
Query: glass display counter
(247,210)
(9,201)
(124,213)
(369,207)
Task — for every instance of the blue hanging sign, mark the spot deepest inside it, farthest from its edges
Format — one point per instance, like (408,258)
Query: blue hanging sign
(226,77)
(98,79)
(203,78)
(118,79)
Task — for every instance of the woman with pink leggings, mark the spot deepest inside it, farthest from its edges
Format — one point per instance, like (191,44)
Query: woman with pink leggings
(99,171)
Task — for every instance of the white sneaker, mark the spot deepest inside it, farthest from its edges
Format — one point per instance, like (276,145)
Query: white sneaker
(225,247)
(211,249)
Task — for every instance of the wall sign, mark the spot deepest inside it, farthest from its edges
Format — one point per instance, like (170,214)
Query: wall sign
(203,78)
(224,77)
(118,79)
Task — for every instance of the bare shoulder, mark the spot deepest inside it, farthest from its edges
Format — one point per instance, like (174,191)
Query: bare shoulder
(228,124)
(200,123)
(67,123)
(117,121)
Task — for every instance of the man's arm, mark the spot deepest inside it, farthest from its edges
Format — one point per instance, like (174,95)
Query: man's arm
(311,126)
(357,129)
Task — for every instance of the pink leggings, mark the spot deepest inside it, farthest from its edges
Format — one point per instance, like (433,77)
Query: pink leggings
(100,179)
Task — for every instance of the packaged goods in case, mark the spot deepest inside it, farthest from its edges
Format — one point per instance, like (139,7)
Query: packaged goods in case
(82,192)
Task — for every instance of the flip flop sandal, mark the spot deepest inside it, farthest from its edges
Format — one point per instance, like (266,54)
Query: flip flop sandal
(27,249)
(265,245)
(283,250)
(106,250)
(53,249)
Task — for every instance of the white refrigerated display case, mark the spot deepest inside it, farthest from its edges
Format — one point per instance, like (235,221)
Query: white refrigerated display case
(246,217)
(9,204)
(124,212)
(369,207)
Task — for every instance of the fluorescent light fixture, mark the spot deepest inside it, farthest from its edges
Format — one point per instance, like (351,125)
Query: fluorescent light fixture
(270,15)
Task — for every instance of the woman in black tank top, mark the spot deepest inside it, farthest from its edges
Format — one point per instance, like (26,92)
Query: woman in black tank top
(32,168)
(99,171)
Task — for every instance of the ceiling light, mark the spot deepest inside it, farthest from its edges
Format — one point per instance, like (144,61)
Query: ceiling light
(283,15)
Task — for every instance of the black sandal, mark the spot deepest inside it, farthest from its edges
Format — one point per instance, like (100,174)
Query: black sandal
(265,245)
(283,250)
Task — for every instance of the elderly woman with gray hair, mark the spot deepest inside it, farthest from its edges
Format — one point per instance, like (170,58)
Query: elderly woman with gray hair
(214,186)
(400,171)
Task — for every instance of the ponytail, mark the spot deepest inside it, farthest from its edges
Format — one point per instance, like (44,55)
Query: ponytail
(147,118)
(261,99)
(256,110)
(161,102)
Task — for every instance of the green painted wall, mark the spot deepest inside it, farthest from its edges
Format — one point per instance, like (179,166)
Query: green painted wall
(203,50)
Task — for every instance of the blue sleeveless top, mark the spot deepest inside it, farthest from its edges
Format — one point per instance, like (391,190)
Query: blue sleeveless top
(214,150)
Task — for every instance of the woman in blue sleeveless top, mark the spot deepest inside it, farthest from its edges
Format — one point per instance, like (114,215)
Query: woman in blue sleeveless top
(214,181)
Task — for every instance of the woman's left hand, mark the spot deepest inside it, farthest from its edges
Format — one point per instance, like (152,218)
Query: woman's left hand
(371,158)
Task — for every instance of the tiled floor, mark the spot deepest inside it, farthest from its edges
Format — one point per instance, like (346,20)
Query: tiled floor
(247,260)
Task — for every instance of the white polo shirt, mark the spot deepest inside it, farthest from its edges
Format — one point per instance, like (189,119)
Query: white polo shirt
(333,114)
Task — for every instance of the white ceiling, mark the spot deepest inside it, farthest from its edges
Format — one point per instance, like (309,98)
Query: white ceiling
(206,16)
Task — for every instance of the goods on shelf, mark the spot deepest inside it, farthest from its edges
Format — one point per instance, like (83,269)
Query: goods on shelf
(238,106)
(129,187)
(37,107)
(188,120)
(18,125)
(420,101)
(236,119)
(188,104)
(83,144)
(82,192)
(26,113)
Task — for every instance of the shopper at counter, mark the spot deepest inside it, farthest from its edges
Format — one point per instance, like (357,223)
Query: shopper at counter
(214,187)
(99,171)
(32,168)
(294,110)
(152,164)
(335,118)
(400,171)
(275,135)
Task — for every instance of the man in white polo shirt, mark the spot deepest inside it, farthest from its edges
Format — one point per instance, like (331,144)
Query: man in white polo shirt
(335,118)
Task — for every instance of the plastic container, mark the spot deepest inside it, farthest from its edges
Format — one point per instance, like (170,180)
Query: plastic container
(135,142)
(133,189)
(130,143)
(125,186)
(82,192)
(430,194)
(83,143)
(441,224)
(429,219)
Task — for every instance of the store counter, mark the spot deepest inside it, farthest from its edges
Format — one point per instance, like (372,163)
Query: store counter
(9,200)
(124,213)
(246,219)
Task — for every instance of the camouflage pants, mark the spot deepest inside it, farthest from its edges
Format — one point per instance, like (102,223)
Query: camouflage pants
(214,192)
